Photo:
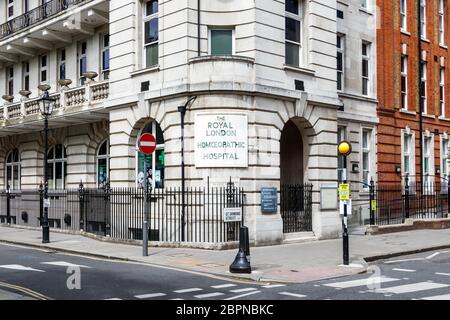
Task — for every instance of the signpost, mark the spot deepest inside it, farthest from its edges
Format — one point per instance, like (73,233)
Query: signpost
(147,146)
(345,149)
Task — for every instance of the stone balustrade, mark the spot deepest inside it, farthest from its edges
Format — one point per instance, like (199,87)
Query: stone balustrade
(81,97)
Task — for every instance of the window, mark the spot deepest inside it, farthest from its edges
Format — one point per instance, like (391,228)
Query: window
(293,36)
(342,135)
(403,17)
(427,160)
(364,4)
(103,161)
(105,57)
(155,162)
(221,42)
(441,22)
(442,91)
(404,84)
(444,157)
(82,61)
(151,34)
(365,68)
(43,69)
(340,62)
(57,167)
(26,75)
(366,161)
(423,18)
(10,82)
(62,64)
(13,170)
(423,87)
(10,9)
(407,154)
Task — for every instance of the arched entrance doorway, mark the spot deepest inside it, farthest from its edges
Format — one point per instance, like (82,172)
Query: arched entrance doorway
(291,155)
(296,196)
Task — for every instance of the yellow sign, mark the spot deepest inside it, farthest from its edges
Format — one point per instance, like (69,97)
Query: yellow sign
(345,148)
(374,205)
(344,191)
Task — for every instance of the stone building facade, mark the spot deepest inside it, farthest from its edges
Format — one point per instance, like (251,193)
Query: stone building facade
(264,68)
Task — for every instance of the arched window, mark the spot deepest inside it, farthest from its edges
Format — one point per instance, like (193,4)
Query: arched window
(13,170)
(155,162)
(57,167)
(103,164)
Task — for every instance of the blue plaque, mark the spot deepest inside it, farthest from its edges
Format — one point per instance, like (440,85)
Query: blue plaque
(269,200)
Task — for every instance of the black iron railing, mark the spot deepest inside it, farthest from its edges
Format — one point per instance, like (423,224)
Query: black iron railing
(296,208)
(119,212)
(36,15)
(397,202)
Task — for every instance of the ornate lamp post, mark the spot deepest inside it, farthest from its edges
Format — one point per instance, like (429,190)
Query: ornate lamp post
(46,105)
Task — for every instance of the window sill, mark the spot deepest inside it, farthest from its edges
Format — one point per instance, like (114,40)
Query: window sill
(443,46)
(233,58)
(144,71)
(443,118)
(299,70)
(425,40)
(428,116)
(366,11)
(406,33)
(406,111)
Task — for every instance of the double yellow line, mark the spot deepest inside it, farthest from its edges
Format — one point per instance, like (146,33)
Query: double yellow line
(26,291)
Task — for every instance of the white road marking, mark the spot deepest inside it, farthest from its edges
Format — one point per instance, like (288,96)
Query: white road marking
(150,295)
(221,286)
(177,299)
(405,260)
(274,286)
(403,270)
(441,297)
(243,295)
(20,268)
(65,264)
(433,255)
(414,287)
(188,290)
(243,290)
(113,299)
(360,282)
(209,295)
(296,295)
(442,274)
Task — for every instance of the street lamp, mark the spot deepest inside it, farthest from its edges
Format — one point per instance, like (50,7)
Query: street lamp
(46,105)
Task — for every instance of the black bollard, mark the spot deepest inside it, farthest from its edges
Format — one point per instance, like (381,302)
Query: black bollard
(242,264)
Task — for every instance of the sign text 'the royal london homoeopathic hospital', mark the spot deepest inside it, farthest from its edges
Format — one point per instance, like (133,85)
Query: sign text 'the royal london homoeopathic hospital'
(221,140)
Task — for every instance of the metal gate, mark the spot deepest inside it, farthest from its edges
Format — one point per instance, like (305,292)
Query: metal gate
(296,208)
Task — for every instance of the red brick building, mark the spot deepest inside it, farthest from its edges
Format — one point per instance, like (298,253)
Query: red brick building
(398,61)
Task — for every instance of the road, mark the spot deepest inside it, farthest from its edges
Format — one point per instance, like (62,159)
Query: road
(35,274)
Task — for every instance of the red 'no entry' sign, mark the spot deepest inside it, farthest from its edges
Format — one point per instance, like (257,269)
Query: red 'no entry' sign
(147,144)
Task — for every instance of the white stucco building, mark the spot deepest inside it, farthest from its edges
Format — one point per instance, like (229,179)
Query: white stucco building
(264,70)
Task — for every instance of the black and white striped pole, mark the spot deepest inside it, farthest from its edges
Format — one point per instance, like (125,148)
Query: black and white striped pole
(345,149)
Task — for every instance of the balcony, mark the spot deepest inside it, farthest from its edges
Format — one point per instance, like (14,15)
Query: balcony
(73,106)
(55,22)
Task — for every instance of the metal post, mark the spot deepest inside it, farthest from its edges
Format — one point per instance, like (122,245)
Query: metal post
(45,225)
(421,106)
(372,199)
(41,204)
(345,222)
(83,218)
(407,197)
(448,194)
(8,205)
(145,225)
(183,178)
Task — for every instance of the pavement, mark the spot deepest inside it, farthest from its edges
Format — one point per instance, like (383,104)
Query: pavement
(290,263)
